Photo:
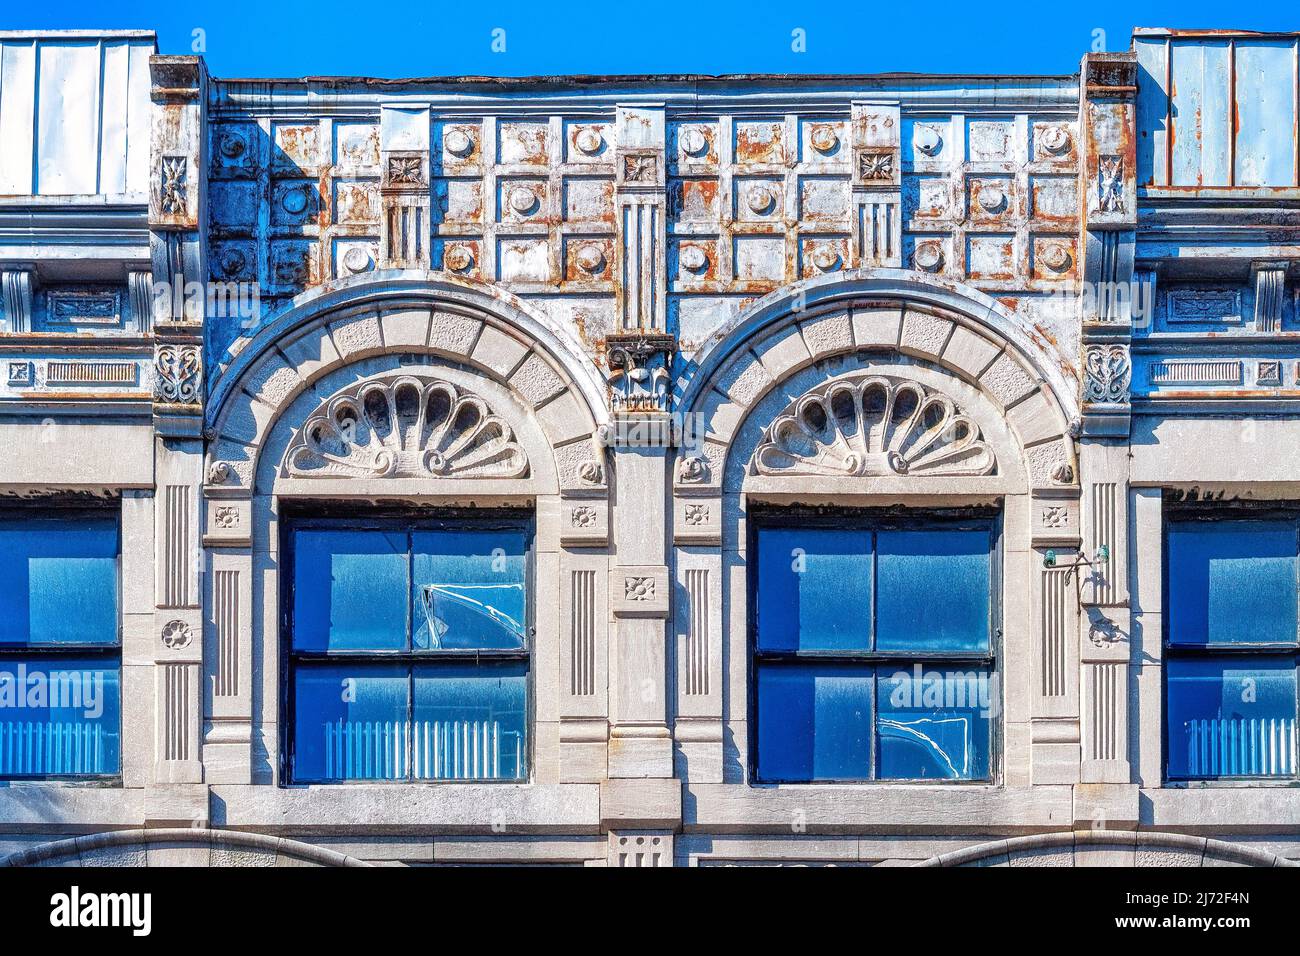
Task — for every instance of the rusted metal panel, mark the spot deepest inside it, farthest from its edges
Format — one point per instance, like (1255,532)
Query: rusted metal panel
(74,113)
(1217,109)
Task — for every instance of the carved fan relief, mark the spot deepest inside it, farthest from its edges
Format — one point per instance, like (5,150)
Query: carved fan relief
(874,426)
(406,427)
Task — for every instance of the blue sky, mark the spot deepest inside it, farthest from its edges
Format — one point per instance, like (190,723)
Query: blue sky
(283,38)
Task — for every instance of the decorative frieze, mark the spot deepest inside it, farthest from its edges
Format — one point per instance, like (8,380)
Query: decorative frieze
(67,309)
(66,373)
(1203,306)
(1195,372)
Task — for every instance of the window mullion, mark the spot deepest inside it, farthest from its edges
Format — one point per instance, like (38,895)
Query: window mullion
(873,760)
(875,592)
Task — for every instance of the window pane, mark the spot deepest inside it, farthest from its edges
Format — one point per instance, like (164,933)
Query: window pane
(60,577)
(814,723)
(932,590)
(470,722)
(814,589)
(1231,717)
(350,722)
(350,591)
(1232,582)
(934,724)
(469,589)
(59,715)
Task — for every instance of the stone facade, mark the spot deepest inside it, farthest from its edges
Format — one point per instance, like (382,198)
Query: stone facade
(648,285)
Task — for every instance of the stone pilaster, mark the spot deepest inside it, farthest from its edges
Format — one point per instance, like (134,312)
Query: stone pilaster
(639,599)
(177,223)
(1108,187)
(1111,303)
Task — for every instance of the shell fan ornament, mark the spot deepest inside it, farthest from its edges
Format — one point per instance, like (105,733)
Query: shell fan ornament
(407,427)
(873,427)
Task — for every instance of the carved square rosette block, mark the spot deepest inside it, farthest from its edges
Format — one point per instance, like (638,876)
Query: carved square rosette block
(639,591)
(1055,521)
(229,523)
(640,169)
(405,171)
(697,521)
(584,523)
(876,167)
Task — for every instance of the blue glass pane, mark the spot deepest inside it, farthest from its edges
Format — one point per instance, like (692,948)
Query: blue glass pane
(932,590)
(60,577)
(350,590)
(1230,717)
(350,722)
(470,722)
(59,715)
(814,589)
(934,724)
(469,589)
(1232,582)
(814,723)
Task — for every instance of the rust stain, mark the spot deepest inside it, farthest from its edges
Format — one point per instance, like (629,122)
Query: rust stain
(758,143)
(696,199)
(532,141)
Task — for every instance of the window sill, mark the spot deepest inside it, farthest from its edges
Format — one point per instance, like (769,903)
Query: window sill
(885,808)
(1233,784)
(107,782)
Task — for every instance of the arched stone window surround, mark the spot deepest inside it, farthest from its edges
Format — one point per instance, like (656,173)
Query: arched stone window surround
(949,339)
(746,373)
(527,373)
(485,330)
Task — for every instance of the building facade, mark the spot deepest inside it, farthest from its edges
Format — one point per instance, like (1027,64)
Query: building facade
(650,470)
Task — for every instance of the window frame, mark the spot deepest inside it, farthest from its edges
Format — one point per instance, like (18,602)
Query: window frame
(983,518)
(71,511)
(349,517)
(1173,513)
